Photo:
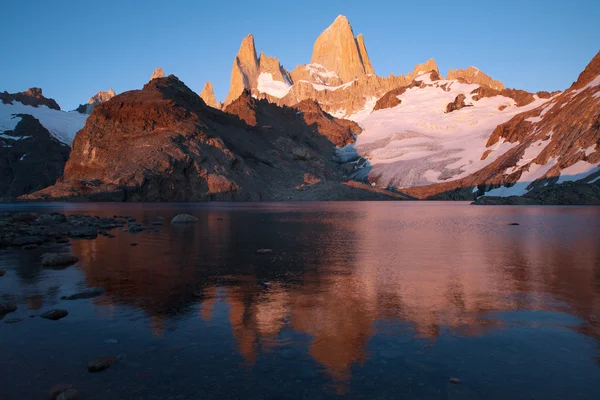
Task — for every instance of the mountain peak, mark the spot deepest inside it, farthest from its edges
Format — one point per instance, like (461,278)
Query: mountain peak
(158,73)
(244,69)
(247,52)
(428,66)
(101,97)
(339,51)
(475,75)
(591,71)
(341,20)
(208,95)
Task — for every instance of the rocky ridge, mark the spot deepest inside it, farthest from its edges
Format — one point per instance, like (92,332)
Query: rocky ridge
(208,96)
(30,158)
(340,76)
(98,98)
(163,143)
(554,156)
(32,97)
(474,75)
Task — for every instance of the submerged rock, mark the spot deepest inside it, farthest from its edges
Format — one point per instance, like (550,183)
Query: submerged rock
(86,294)
(54,259)
(55,314)
(88,232)
(69,394)
(101,363)
(56,390)
(27,240)
(134,228)
(184,219)
(12,320)
(7,307)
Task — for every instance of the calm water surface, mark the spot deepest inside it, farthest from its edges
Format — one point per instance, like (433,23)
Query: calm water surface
(358,300)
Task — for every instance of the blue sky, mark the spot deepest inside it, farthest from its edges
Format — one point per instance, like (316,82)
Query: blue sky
(72,49)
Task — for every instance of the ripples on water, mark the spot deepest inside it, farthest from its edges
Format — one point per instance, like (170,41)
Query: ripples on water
(363,300)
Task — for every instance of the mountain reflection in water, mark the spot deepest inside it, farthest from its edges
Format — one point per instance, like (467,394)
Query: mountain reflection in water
(343,276)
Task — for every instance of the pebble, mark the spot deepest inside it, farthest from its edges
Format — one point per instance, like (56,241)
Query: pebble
(26,240)
(86,294)
(101,364)
(12,320)
(69,394)
(56,390)
(53,259)
(134,228)
(514,224)
(2,272)
(455,381)
(264,251)
(156,223)
(55,314)
(7,307)
(133,244)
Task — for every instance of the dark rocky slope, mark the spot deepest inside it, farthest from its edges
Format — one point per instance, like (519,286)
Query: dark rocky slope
(30,158)
(32,97)
(163,143)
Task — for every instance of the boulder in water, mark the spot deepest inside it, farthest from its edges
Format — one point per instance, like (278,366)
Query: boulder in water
(184,219)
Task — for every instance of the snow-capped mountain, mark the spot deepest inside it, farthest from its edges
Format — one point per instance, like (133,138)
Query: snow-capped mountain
(35,139)
(418,142)
(428,136)
(98,98)
(62,125)
(420,135)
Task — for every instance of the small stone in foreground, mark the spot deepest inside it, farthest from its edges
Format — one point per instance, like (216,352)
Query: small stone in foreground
(12,320)
(7,307)
(101,364)
(25,240)
(69,394)
(134,228)
(514,224)
(455,381)
(86,294)
(2,272)
(264,251)
(53,259)
(133,244)
(184,219)
(55,314)
(58,389)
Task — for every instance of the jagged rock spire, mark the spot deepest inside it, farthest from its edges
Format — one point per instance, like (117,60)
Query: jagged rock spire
(208,95)
(339,51)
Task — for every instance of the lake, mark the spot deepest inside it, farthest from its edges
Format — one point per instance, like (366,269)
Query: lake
(360,300)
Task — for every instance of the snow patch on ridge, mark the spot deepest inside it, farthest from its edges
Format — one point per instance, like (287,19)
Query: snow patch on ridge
(267,85)
(522,186)
(577,171)
(61,124)
(417,143)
